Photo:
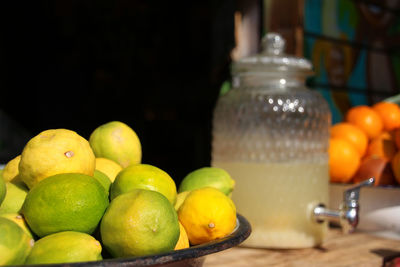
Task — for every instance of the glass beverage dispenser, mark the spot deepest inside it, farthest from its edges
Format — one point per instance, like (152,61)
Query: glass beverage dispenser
(271,133)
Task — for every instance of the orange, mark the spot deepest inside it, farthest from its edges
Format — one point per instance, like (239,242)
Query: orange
(379,168)
(382,146)
(344,160)
(395,164)
(352,134)
(396,137)
(389,113)
(366,119)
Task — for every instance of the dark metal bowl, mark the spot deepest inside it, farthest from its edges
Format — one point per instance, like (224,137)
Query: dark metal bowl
(193,256)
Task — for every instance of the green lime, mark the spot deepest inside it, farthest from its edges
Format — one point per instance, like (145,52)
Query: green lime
(116,141)
(144,176)
(15,244)
(15,197)
(103,179)
(180,198)
(140,222)
(208,177)
(65,247)
(65,202)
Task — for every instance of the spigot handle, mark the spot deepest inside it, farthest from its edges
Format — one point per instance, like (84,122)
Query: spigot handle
(354,192)
(349,210)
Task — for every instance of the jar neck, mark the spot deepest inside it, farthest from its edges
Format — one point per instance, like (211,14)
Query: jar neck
(275,80)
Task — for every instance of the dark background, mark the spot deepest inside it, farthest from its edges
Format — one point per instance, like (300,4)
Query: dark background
(155,65)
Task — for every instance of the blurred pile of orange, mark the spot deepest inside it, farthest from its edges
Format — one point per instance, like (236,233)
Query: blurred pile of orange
(366,144)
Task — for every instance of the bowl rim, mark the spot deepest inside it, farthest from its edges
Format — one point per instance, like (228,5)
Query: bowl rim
(241,233)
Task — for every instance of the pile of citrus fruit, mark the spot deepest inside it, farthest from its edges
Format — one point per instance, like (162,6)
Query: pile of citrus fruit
(68,199)
(366,144)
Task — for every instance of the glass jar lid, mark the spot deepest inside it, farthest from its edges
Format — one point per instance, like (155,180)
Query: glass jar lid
(272,59)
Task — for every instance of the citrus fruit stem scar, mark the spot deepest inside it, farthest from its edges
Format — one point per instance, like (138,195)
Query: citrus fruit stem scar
(69,154)
(211,225)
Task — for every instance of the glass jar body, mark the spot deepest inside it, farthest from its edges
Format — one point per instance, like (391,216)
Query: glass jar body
(272,135)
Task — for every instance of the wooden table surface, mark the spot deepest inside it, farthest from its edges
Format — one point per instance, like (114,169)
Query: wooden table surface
(356,249)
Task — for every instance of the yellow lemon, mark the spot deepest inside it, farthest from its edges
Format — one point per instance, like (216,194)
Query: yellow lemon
(18,219)
(207,214)
(15,197)
(65,247)
(183,241)
(11,169)
(3,190)
(55,151)
(65,202)
(144,176)
(208,176)
(108,167)
(140,222)
(15,244)
(116,141)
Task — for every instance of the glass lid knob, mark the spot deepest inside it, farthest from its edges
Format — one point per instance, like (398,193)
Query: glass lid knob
(273,43)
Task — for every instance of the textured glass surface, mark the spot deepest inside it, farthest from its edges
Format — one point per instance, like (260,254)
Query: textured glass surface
(272,123)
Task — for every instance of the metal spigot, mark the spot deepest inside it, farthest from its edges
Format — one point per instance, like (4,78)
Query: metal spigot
(348,213)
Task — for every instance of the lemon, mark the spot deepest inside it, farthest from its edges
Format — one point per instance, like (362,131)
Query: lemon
(140,222)
(10,171)
(65,202)
(144,176)
(3,190)
(55,151)
(180,198)
(65,247)
(116,141)
(183,241)
(15,197)
(208,176)
(103,179)
(15,244)
(207,214)
(108,167)
(18,219)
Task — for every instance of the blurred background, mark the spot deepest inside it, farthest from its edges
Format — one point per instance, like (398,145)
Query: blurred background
(159,66)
